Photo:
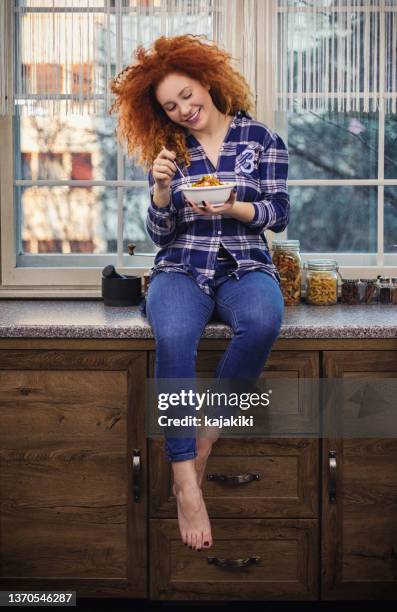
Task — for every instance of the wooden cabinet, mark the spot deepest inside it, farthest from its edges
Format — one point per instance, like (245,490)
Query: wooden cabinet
(359,522)
(260,482)
(69,424)
(86,497)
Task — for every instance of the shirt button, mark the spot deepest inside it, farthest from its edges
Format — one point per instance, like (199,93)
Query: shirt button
(234,254)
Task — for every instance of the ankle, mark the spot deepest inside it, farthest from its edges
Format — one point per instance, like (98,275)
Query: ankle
(203,450)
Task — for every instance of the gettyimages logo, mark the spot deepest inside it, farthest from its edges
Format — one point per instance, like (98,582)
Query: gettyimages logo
(209,400)
(273,407)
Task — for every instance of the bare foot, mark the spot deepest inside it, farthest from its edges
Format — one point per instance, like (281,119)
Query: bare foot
(194,523)
(183,523)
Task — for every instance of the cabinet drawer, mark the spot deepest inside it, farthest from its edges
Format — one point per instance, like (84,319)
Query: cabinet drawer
(249,560)
(288,364)
(281,478)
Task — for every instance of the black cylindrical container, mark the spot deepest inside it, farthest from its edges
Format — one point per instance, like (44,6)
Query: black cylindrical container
(122,291)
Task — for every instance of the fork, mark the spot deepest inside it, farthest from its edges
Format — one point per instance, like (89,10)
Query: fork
(182,175)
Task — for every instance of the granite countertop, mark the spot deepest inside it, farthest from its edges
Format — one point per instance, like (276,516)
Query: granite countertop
(50,318)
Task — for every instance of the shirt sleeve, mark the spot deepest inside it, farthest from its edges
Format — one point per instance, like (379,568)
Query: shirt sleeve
(160,222)
(272,212)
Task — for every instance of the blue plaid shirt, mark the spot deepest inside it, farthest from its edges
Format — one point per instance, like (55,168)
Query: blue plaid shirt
(254,157)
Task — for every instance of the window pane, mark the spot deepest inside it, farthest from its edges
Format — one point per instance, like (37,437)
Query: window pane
(67,219)
(333,145)
(390,220)
(336,219)
(391,146)
(133,172)
(66,147)
(136,205)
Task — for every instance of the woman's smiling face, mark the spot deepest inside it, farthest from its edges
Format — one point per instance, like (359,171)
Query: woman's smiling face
(185,101)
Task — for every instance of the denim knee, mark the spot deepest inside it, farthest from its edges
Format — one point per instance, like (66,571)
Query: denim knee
(176,346)
(258,331)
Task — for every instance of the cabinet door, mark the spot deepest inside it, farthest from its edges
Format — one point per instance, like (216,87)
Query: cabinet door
(359,522)
(69,424)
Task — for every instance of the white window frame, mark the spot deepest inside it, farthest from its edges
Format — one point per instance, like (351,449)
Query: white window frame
(47,276)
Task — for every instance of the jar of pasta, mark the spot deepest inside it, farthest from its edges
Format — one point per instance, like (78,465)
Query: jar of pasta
(322,282)
(286,258)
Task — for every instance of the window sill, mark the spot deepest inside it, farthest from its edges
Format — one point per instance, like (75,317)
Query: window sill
(64,293)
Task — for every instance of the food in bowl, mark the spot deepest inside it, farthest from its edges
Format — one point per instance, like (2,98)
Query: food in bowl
(208,189)
(207,181)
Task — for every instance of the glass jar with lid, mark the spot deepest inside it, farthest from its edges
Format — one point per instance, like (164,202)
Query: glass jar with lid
(321,282)
(385,290)
(369,291)
(394,296)
(350,292)
(286,257)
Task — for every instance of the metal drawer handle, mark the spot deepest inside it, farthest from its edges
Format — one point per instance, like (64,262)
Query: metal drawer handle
(136,474)
(233,562)
(332,476)
(235,480)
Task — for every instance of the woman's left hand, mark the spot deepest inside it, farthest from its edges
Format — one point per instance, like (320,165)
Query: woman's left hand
(209,209)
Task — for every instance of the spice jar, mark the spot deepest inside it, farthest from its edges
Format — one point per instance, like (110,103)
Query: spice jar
(286,258)
(368,291)
(385,290)
(350,293)
(322,282)
(394,296)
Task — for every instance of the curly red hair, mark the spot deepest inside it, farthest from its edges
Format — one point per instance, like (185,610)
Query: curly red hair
(142,122)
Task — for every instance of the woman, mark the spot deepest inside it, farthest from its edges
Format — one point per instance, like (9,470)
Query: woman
(183,101)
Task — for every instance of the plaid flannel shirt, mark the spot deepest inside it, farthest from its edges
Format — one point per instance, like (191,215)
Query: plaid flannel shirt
(254,157)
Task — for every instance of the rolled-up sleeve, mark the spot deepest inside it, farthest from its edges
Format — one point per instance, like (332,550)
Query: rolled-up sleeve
(160,222)
(272,211)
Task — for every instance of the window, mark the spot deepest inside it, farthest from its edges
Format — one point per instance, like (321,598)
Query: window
(75,199)
(47,79)
(81,167)
(343,165)
(82,79)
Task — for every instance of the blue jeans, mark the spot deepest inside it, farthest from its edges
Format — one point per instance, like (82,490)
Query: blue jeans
(178,311)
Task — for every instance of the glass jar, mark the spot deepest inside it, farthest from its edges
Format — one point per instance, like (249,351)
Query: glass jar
(385,290)
(350,292)
(322,282)
(287,259)
(394,296)
(368,291)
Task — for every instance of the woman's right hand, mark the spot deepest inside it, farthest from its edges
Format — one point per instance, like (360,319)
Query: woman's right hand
(164,168)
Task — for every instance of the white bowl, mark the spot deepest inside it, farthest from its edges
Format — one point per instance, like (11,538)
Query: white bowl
(213,195)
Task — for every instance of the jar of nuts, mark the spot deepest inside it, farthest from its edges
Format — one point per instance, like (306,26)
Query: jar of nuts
(286,258)
(321,282)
